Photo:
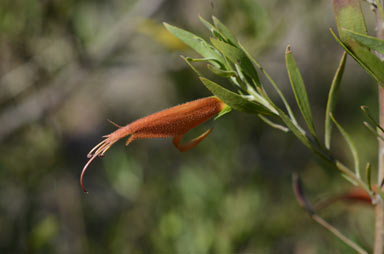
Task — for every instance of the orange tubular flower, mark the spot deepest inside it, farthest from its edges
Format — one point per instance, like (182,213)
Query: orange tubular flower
(173,122)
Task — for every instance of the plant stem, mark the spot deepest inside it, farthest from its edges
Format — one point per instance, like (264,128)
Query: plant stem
(338,234)
(379,225)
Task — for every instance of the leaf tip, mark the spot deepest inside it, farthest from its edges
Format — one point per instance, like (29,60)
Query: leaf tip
(288,49)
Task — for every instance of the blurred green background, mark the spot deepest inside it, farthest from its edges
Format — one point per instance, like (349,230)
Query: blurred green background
(67,66)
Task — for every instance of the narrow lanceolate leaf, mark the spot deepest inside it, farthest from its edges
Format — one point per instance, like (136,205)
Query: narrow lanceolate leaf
(272,124)
(299,90)
(332,98)
(349,17)
(371,119)
(351,145)
(208,25)
(234,100)
(237,56)
(228,36)
(376,76)
(373,130)
(220,72)
(370,60)
(348,14)
(188,61)
(196,43)
(273,83)
(366,40)
(214,30)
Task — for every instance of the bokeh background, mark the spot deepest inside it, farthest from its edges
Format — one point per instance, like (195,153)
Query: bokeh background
(68,66)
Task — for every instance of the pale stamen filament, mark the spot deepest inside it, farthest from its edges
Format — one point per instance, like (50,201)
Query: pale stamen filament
(90,154)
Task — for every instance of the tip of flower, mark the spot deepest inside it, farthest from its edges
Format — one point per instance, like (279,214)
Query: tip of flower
(83,173)
(97,151)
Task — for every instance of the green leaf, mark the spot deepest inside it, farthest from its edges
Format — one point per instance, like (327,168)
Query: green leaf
(373,130)
(371,61)
(348,14)
(351,145)
(228,36)
(299,90)
(205,59)
(188,61)
(272,124)
(371,119)
(221,73)
(357,59)
(367,41)
(208,25)
(273,83)
(349,179)
(237,56)
(234,100)
(349,17)
(214,31)
(332,99)
(197,43)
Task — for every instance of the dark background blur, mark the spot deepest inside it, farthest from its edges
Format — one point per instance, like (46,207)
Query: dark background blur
(67,66)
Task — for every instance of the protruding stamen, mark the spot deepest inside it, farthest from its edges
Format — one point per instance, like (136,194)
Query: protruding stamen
(101,149)
(83,172)
(90,154)
(98,151)
(105,149)
(113,123)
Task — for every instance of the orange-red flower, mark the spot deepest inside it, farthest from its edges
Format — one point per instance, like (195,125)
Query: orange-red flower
(173,122)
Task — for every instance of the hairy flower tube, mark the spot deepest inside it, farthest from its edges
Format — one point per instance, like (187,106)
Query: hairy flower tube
(172,122)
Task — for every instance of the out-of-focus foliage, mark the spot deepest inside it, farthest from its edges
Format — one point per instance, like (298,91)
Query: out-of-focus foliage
(67,66)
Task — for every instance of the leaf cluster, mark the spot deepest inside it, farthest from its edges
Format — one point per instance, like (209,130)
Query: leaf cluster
(227,58)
